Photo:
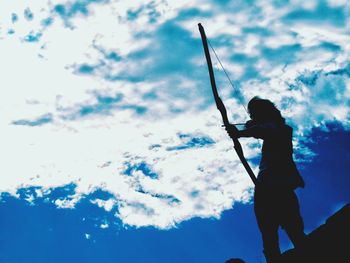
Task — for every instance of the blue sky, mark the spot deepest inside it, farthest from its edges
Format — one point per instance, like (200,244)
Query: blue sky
(113,149)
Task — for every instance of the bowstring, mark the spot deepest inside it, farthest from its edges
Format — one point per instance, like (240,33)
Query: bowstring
(227,76)
(229,79)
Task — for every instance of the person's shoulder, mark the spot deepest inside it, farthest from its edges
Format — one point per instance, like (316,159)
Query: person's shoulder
(288,127)
(279,127)
(270,125)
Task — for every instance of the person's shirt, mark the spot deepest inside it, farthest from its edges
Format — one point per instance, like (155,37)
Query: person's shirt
(277,166)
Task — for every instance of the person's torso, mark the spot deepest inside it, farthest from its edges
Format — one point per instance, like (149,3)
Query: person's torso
(277,165)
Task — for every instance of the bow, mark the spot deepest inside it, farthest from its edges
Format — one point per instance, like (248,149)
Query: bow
(221,107)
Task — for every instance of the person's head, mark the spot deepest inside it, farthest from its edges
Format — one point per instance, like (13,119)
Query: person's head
(262,110)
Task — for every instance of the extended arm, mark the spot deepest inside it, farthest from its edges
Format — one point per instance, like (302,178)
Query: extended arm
(251,130)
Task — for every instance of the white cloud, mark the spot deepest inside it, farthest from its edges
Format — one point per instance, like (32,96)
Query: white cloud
(106,204)
(66,203)
(104,225)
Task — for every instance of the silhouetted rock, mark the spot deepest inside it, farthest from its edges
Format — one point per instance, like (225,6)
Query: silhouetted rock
(328,243)
(235,260)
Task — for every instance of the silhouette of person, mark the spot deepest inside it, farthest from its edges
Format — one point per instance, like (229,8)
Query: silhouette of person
(275,202)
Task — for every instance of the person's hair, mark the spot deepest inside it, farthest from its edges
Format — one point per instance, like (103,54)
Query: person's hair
(264,110)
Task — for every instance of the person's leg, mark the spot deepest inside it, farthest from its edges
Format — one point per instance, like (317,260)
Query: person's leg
(296,235)
(293,222)
(271,244)
(264,208)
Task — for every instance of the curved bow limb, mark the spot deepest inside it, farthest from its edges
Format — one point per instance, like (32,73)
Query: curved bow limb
(221,107)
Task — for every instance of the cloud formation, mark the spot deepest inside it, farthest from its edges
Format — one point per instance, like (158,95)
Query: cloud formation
(115,96)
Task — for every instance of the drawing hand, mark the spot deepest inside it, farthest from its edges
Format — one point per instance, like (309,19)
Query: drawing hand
(249,124)
(232,131)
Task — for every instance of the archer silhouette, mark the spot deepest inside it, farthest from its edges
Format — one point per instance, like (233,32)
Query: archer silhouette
(275,202)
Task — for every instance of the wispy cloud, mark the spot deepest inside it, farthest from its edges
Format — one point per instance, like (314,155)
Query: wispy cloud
(47,118)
